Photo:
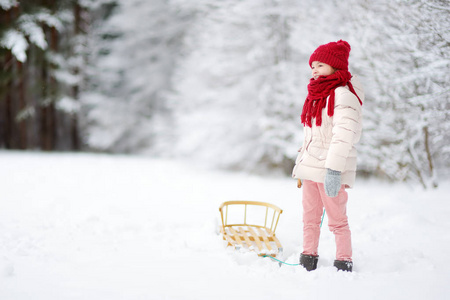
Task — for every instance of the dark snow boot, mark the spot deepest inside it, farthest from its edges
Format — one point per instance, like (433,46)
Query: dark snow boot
(309,262)
(343,265)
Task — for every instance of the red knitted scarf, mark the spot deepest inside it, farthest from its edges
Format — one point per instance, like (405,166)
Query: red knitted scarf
(318,91)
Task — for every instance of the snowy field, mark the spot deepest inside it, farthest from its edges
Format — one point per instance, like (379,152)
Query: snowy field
(85,226)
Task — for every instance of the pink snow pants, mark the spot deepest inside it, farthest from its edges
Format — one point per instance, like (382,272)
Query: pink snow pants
(314,200)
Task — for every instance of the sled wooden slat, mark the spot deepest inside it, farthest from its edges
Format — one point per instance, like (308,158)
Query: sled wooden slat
(277,242)
(265,239)
(235,236)
(228,238)
(255,237)
(244,234)
(271,236)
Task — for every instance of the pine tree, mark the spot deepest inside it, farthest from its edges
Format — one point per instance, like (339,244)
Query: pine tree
(41,46)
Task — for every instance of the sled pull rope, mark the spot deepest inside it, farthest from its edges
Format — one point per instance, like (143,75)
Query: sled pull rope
(322,218)
(282,262)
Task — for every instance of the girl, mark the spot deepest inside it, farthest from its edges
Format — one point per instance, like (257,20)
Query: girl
(326,164)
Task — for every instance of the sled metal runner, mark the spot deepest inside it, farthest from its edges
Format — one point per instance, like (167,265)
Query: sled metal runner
(259,237)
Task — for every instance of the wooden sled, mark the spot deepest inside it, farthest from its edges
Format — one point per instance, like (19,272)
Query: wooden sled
(253,226)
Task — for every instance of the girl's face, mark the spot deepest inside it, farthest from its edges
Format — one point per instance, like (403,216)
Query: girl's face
(321,69)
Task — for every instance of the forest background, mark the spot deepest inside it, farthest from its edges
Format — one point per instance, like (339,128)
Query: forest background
(222,83)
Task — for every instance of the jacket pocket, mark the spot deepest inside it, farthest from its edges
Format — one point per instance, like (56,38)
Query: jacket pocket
(318,153)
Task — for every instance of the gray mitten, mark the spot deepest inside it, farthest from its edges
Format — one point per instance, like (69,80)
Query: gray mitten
(332,183)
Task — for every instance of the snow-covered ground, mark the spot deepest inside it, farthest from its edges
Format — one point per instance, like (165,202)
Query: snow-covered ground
(85,226)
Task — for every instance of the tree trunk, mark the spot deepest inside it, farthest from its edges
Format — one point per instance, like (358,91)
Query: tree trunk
(22,123)
(74,132)
(48,111)
(9,119)
(6,114)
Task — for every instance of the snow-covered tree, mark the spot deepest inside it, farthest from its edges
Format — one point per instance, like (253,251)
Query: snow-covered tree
(236,93)
(132,65)
(404,47)
(41,48)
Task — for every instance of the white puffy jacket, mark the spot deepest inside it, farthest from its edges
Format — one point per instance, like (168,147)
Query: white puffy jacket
(332,145)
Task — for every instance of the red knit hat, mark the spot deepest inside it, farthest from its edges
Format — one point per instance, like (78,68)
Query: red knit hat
(334,54)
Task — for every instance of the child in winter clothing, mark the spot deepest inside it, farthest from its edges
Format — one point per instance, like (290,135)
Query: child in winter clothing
(326,163)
